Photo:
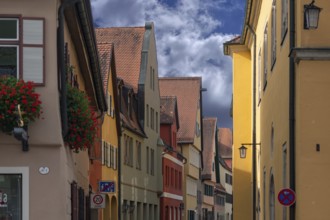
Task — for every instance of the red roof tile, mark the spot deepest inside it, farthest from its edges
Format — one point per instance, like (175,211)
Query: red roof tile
(167,109)
(187,91)
(225,140)
(104,50)
(128,47)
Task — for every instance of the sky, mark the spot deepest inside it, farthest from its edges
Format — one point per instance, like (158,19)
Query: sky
(189,38)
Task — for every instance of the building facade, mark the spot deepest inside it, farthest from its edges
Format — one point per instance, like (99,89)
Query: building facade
(171,200)
(111,133)
(49,173)
(288,66)
(188,90)
(136,65)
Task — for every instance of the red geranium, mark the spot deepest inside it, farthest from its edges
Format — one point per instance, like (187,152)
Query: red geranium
(82,121)
(15,92)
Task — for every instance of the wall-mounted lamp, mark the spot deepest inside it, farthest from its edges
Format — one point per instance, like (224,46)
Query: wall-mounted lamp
(21,131)
(311,16)
(242,149)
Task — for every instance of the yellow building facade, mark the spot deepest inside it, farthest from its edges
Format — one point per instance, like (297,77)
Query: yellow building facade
(289,89)
(242,126)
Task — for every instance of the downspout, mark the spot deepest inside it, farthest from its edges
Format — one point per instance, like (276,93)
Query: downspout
(61,65)
(292,108)
(119,175)
(216,159)
(254,136)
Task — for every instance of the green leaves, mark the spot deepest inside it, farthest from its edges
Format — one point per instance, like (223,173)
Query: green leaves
(15,92)
(82,121)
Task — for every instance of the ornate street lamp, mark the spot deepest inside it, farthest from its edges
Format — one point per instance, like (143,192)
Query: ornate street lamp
(311,16)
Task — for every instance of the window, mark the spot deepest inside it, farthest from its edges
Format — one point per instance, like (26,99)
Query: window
(109,155)
(147,115)
(30,45)
(172,177)
(180,180)
(198,130)
(151,78)
(129,105)
(152,118)
(152,162)
(147,156)
(229,179)
(191,215)
(157,124)
(259,76)
(229,198)
(191,187)
(265,56)
(131,152)
(208,190)
(284,19)
(220,200)
(14,193)
(272,141)
(128,155)
(272,199)
(273,37)
(176,179)
(194,157)
(138,155)
(110,111)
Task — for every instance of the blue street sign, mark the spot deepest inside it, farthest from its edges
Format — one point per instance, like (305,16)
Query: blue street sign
(107,186)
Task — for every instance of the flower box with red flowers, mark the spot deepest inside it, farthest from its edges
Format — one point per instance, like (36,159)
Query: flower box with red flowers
(14,93)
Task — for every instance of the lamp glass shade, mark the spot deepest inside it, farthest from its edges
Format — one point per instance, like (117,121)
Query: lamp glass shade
(311,15)
(242,151)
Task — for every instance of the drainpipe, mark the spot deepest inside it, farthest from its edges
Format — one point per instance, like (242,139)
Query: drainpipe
(292,108)
(119,176)
(254,136)
(61,65)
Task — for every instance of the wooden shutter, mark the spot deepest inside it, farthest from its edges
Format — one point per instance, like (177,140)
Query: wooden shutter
(102,150)
(33,50)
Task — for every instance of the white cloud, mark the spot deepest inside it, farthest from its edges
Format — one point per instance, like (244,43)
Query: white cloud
(187,44)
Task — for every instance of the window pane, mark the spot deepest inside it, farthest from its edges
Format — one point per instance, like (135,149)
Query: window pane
(33,64)
(8,29)
(11,196)
(8,60)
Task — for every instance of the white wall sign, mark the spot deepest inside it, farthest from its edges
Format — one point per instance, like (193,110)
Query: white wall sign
(97,201)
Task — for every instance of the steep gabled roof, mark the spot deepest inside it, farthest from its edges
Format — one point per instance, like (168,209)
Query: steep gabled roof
(105,58)
(209,128)
(225,145)
(169,110)
(128,43)
(187,91)
(129,120)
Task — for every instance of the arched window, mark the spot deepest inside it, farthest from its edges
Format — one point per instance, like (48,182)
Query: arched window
(272,141)
(272,199)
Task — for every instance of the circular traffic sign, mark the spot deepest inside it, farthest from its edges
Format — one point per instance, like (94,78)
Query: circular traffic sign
(286,197)
(97,199)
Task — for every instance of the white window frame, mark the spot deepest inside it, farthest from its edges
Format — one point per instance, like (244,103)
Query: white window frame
(24,171)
